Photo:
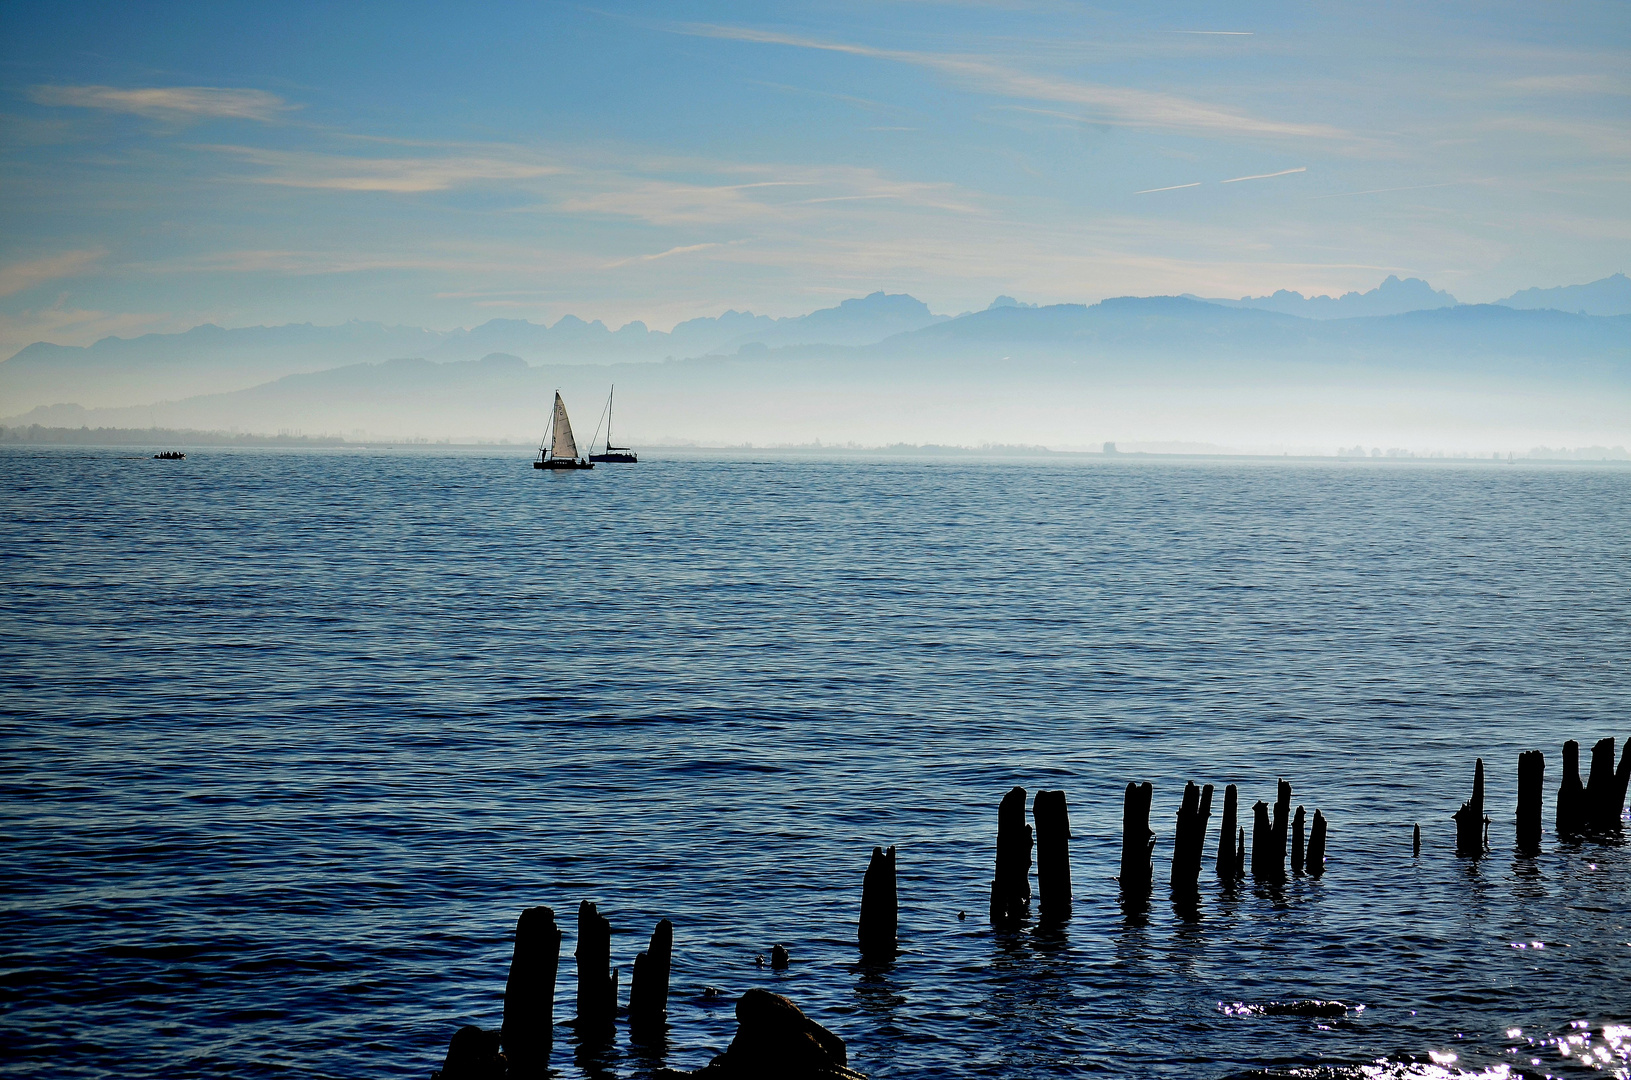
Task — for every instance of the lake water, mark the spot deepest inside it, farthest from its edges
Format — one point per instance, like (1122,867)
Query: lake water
(290,739)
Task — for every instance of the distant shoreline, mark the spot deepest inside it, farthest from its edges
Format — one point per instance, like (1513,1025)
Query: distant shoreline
(36,435)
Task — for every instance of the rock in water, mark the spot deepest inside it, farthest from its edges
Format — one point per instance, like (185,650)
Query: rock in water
(473,1055)
(775,1039)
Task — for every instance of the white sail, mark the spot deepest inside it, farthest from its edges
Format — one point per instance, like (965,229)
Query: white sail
(562,445)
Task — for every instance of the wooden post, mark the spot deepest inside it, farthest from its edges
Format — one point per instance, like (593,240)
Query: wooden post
(1189,839)
(1297,825)
(1262,841)
(1282,822)
(1470,819)
(1415,843)
(1602,810)
(1622,781)
(597,984)
(1531,780)
(1052,818)
(648,988)
(1240,853)
(529,995)
(880,907)
(1316,846)
(1011,885)
(1227,870)
(1571,796)
(1137,841)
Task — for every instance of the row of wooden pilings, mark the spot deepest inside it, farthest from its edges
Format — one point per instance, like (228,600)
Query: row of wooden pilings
(1590,809)
(1585,809)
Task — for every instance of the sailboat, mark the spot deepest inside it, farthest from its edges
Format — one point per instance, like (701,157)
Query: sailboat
(562,452)
(613,453)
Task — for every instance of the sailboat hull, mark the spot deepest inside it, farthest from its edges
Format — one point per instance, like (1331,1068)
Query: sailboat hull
(562,463)
(615,456)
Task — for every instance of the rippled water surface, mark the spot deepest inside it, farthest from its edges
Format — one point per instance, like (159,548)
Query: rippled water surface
(290,739)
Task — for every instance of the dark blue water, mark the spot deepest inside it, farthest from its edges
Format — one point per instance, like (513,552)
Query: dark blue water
(290,739)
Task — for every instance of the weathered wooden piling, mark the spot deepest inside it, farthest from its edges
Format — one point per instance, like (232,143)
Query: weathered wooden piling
(1052,818)
(1297,825)
(597,982)
(529,994)
(1470,822)
(1316,846)
(648,987)
(1011,884)
(1622,781)
(1571,795)
(1137,842)
(1531,780)
(1282,829)
(1262,841)
(1228,867)
(1415,842)
(1602,804)
(1189,839)
(1240,853)
(880,907)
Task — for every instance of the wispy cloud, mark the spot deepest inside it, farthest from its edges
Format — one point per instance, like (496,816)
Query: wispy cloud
(1571,84)
(1111,104)
(1267,175)
(684,250)
(16,277)
(168,102)
(403,175)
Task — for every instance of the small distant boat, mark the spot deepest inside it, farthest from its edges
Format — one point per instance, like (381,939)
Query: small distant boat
(561,450)
(613,453)
(170,455)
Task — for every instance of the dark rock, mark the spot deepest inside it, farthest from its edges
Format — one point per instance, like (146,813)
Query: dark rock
(774,1039)
(778,957)
(472,1055)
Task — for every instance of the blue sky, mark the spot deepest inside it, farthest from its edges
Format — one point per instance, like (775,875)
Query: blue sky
(439,165)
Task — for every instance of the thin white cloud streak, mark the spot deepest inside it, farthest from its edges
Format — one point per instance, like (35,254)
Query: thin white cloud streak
(1117,105)
(1215,33)
(1267,175)
(16,277)
(333,172)
(686,249)
(1174,187)
(168,102)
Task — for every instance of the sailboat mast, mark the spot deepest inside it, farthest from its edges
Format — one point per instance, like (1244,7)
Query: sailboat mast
(609,418)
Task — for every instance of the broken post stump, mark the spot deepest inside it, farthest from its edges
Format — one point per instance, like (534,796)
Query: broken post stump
(1470,820)
(1137,842)
(1415,842)
(1622,780)
(1316,846)
(597,984)
(1531,780)
(1297,827)
(529,994)
(1571,796)
(1052,818)
(648,987)
(1240,853)
(1189,839)
(1262,841)
(1282,821)
(1011,884)
(1602,808)
(880,907)
(1227,870)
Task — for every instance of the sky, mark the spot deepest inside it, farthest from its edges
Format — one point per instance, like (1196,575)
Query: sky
(439,165)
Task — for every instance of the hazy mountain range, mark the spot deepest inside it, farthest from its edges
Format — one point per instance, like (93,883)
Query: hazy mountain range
(885,368)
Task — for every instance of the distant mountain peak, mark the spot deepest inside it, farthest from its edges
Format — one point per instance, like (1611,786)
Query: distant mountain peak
(1394,296)
(1605,296)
